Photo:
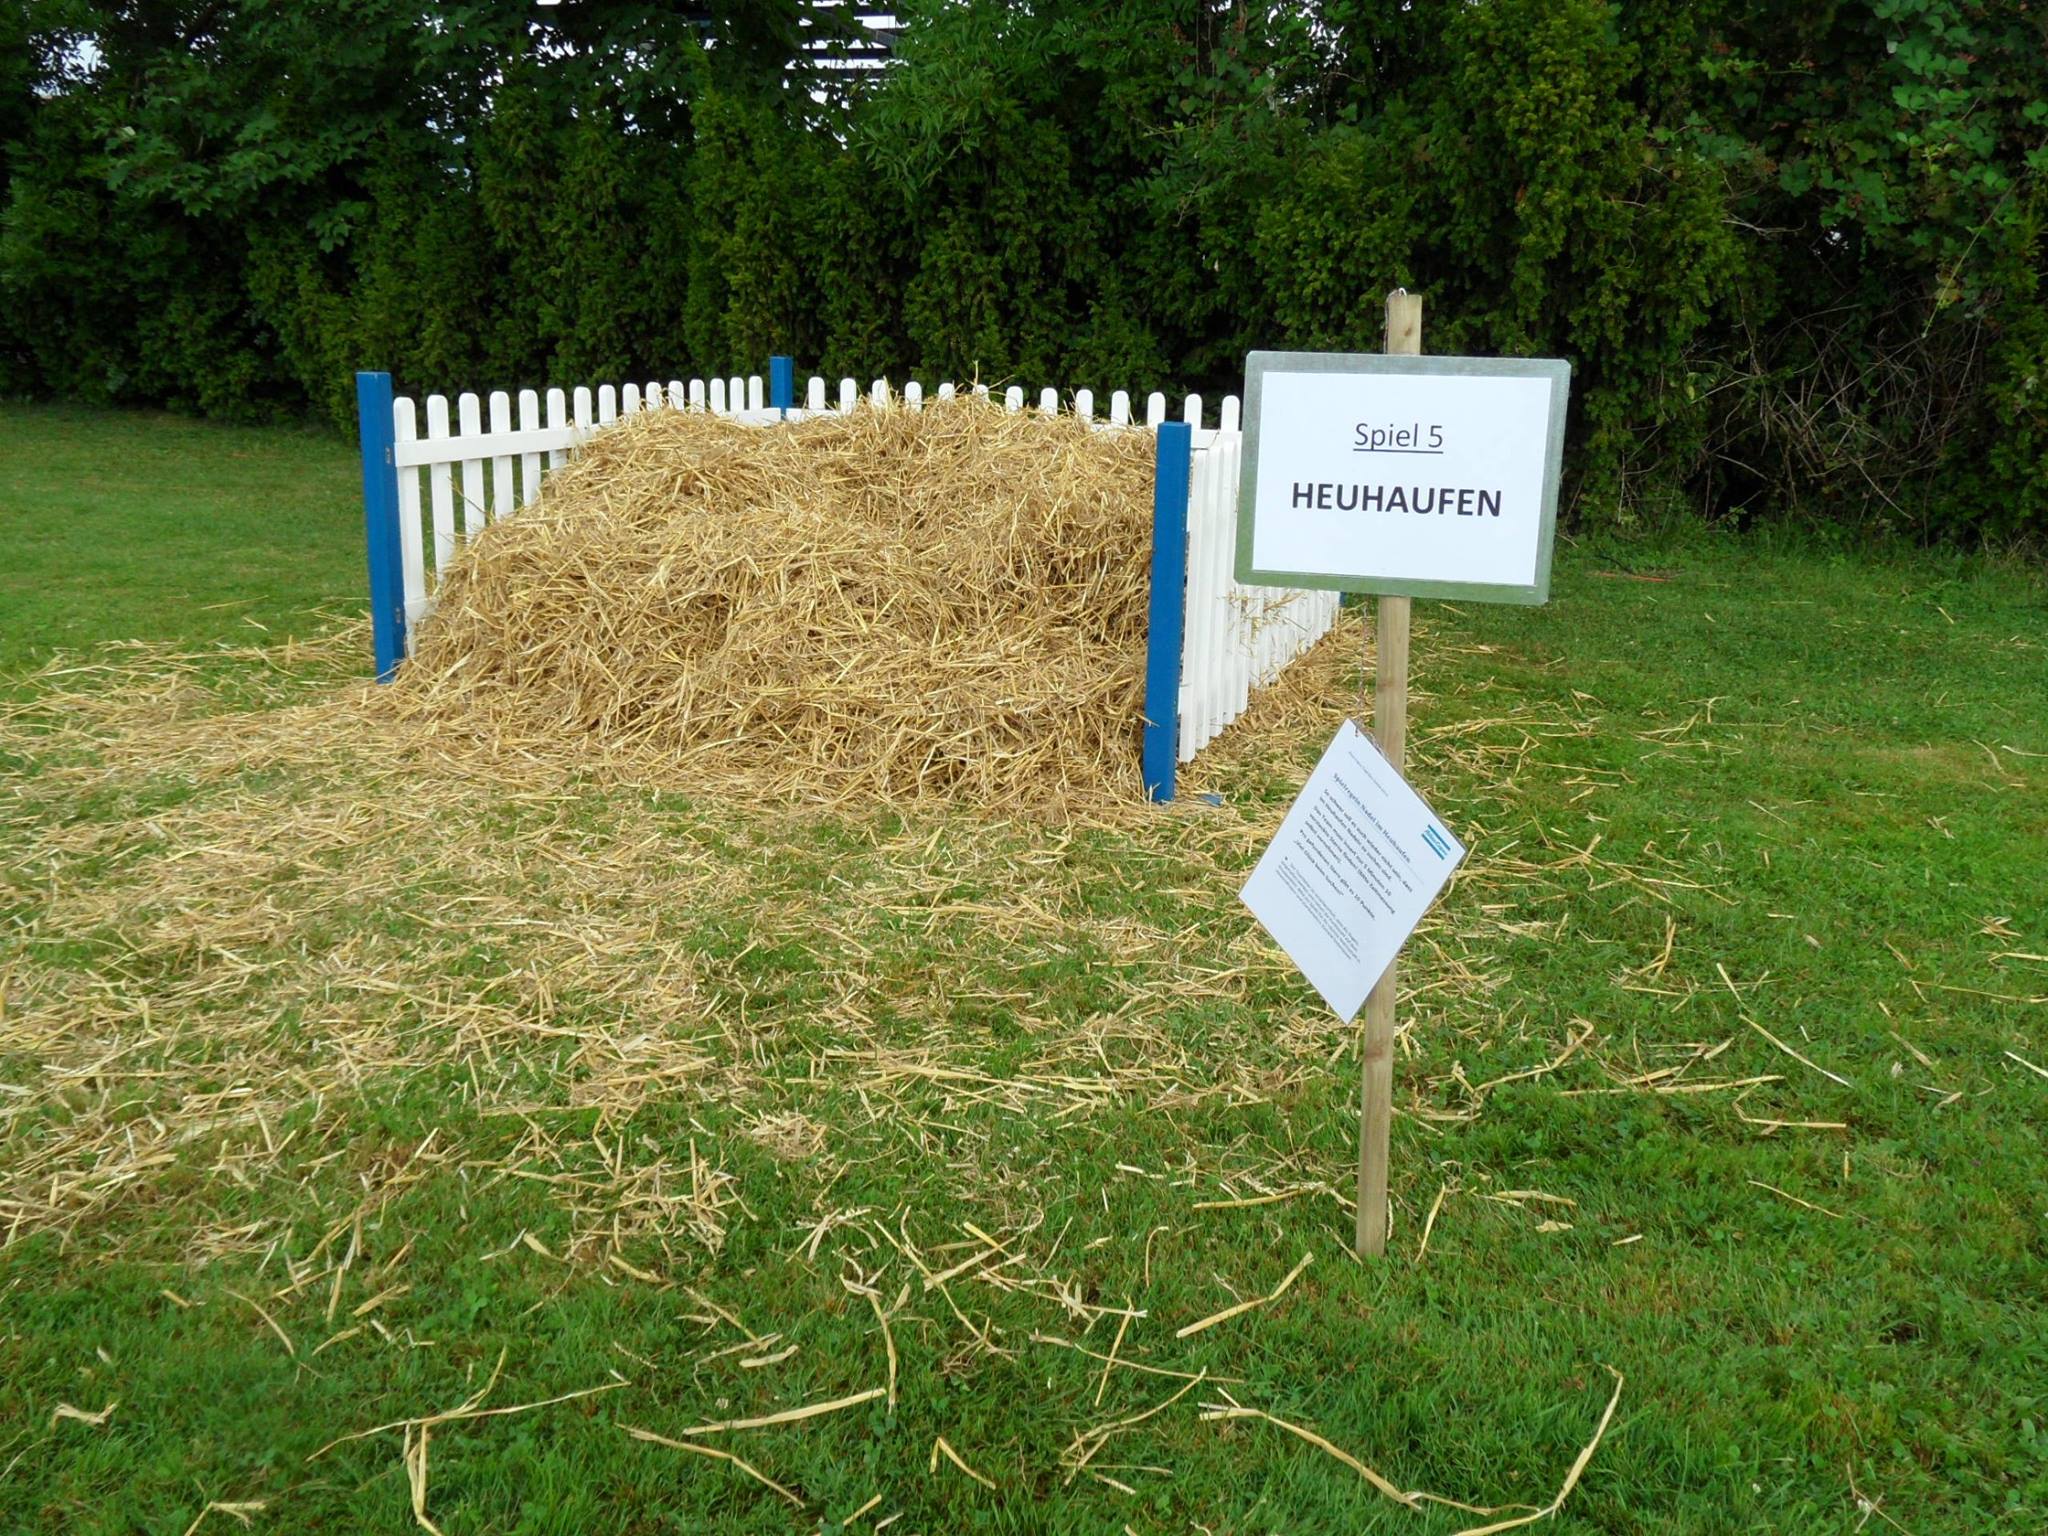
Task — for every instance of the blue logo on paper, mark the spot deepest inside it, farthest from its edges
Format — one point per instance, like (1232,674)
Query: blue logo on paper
(1438,844)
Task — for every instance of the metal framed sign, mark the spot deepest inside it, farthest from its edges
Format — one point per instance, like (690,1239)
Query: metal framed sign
(1407,476)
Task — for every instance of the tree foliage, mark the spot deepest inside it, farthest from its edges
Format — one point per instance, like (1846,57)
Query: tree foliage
(1793,252)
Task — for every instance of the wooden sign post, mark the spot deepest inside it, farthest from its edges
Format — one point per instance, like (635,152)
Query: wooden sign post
(1390,735)
(1399,476)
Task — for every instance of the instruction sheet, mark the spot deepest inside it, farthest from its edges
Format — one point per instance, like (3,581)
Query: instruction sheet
(1352,869)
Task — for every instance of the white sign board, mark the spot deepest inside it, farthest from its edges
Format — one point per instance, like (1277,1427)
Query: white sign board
(1412,476)
(1351,871)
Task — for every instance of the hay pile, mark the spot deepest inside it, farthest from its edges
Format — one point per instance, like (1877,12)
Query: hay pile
(891,605)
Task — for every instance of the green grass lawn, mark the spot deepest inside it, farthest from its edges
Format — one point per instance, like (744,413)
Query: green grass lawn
(142,526)
(342,1087)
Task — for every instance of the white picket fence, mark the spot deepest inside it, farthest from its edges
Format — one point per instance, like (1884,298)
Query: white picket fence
(1236,638)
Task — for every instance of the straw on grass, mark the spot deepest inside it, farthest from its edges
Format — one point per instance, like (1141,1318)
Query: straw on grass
(1109,1364)
(1125,1362)
(873,1500)
(79,1415)
(471,1407)
(789,1415)
(1788,1195)
(715,1453)
(1834,1077)
(1571,1478)
(1768,1125)
(243,1511)
(1271,1296)
(270,1322)
(1270,1199)
(1429,1222)
(1088,1443)
(415,1458)
(941,1448)
(1230,1408)
(888,1339)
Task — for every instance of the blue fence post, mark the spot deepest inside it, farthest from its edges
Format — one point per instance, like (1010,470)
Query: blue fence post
(1167,620)
(380,521)
(781,383)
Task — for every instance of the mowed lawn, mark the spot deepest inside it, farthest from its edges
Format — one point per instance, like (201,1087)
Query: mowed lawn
(390,1144)
(146,526)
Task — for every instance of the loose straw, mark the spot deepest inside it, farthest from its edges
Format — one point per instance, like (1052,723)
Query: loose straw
(790,1415)
(1228,1313)
(1571,1478)
(711,1450)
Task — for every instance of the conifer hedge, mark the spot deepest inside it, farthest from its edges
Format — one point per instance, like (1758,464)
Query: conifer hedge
(1793,251)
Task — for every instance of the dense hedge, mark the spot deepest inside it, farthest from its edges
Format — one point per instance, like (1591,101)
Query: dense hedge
(1794,251)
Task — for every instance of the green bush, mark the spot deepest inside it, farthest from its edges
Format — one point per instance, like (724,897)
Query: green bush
(1793,253)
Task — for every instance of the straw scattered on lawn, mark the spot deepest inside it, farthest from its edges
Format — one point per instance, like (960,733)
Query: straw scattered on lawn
(714,1452)
(1571,1478)
(471,1407)
(1834,1077)
(1242,1307)
(78,1415)
(242,1511)
(1088,1443)
(1230,1408)
(941,1448)
(1808,1204)
(1429,1222)
(790,1415)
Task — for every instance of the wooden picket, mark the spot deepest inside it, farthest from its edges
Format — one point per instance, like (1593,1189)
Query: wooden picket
(1236,638)
(529,462)
(501,464)
(405,429)
(470,415)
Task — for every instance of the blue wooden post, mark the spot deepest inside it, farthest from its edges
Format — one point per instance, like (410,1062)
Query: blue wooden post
(1168,615)
(380,521)
(781,383)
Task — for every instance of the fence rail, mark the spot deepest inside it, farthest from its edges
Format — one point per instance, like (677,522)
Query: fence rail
(1233,639)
